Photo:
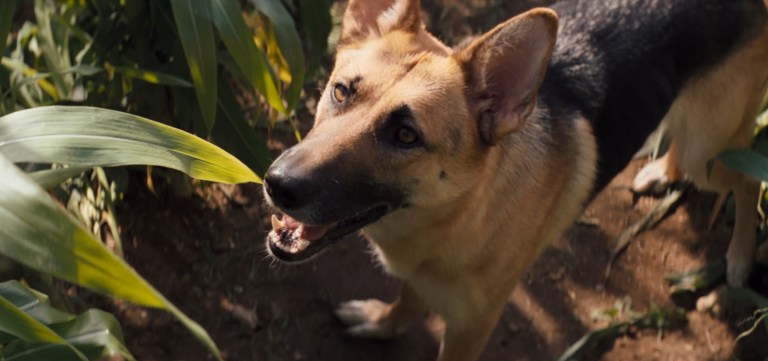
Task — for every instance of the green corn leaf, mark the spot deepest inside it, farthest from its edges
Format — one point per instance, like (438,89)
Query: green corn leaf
(83,69)
(241,139)
(591,340)
(698,279)
(53,177)
(195,31)
(316,25)
(250,59)
(289,42)
(53,52)
(13,321)
(7,8)
(93,334)
(40,234)
(746,161)
(152,77)
(34,304)
(89,137)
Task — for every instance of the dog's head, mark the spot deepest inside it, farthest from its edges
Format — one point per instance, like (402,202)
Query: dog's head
(404,122)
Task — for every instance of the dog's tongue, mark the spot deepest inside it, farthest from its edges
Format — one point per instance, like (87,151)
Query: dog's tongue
(298,229)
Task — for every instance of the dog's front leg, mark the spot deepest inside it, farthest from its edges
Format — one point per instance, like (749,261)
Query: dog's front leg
(377,319)
(465,336)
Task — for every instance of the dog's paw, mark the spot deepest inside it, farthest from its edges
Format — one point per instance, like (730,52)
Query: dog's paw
(713,302)
(361,311)
(366,318)
(653,178)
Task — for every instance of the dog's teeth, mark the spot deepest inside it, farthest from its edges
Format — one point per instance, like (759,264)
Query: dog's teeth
(276,223)
(294,247)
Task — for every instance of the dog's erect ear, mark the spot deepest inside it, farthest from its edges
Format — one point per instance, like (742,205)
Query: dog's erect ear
(504,68)
(364,18)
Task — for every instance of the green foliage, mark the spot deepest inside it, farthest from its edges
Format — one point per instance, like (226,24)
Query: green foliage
(315,25)
(163,59)
(239,41)
(698,279)
(753,298)
(747,161)
(190,64)
(622,319)
(289,43)
(33,330)
(38,233)
(88,137)
(579,348)
(196,35)
(6,15)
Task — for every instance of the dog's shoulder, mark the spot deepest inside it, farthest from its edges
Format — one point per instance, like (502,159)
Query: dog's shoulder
(621,63)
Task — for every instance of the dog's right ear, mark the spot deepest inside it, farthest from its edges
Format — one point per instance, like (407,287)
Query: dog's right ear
(371,18)
(504,68)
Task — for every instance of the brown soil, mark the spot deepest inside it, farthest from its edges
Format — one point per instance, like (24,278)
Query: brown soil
(206,255)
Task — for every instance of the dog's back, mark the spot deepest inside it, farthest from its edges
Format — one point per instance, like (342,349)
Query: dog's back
(622,63)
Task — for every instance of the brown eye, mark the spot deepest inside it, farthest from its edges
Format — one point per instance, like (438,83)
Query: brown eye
(406,136)
(340,93)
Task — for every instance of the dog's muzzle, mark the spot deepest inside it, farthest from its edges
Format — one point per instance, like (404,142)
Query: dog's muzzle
(317,210)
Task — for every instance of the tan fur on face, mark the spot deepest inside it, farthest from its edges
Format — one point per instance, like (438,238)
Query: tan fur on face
(470,229)
(403,69)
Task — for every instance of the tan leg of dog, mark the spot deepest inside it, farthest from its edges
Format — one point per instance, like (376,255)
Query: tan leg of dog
(376,319)
(657,175)
(465,340)
(713,113)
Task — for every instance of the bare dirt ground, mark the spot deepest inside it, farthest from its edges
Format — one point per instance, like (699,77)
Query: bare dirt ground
(206,255)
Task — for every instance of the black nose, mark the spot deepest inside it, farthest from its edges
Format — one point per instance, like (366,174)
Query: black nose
(287,191)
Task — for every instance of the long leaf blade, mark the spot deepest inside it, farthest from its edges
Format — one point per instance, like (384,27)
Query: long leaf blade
(576,351)
(746,161)
(36,305)
(196,35)
(7,8)
(289,42)
(316,24)
(15,322)
(249,58)
(152,77)
(242,140)
(50,178)
(37,232)
(93,333)
(88,137)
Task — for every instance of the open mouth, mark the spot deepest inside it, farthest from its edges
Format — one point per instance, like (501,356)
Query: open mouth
(293,241)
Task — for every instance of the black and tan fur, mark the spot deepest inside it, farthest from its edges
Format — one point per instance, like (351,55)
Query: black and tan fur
(462,164)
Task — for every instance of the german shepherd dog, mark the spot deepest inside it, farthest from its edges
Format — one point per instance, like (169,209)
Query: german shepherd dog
(460,165)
